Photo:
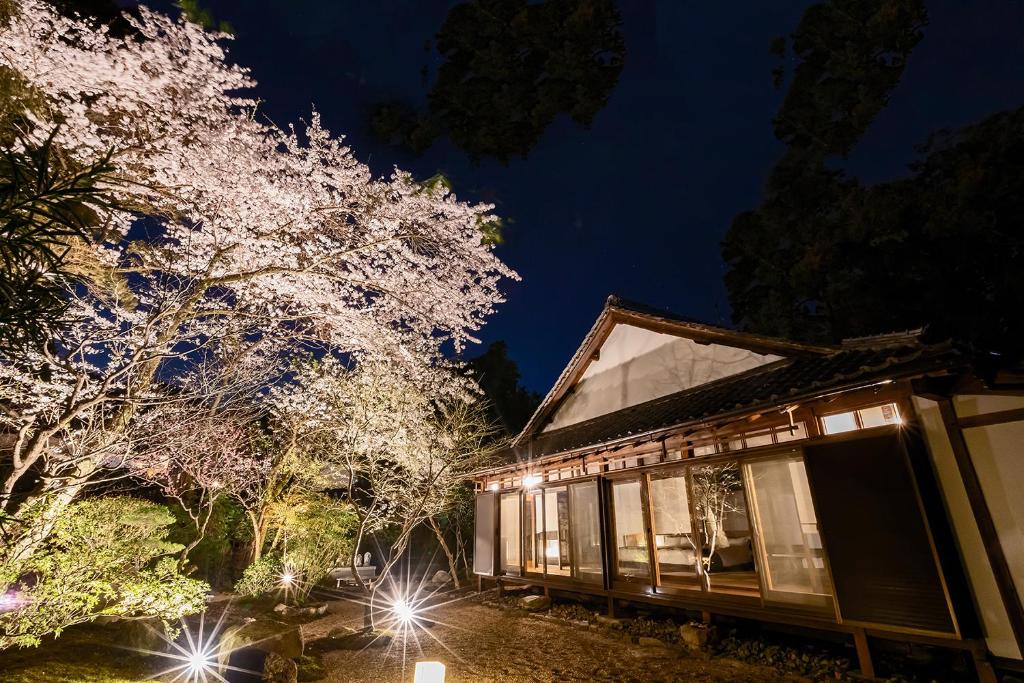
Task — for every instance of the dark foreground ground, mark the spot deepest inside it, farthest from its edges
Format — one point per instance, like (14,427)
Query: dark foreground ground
(475,642)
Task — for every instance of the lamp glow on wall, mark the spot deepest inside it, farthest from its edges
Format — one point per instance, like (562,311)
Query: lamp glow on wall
(429,672)
(531,480)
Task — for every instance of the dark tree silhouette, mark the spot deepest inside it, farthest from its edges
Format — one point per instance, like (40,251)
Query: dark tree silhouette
(511,67)
(509,403)
(825,257)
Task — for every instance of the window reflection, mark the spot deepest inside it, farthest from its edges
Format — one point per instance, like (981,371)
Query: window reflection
(727,558)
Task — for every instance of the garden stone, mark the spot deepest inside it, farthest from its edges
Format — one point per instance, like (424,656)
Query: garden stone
(610,622)
(535,603)
(268,636)
(278,669)
(281,608)
(645,641)
(694,637)
(441,577)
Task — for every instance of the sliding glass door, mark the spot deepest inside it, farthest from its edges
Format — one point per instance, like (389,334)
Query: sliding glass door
(631,552)
(789,544)
(676,546)
(561,531)
(585,509)
(510,534)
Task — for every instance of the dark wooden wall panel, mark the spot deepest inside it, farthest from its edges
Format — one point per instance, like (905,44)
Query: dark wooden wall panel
(882,562)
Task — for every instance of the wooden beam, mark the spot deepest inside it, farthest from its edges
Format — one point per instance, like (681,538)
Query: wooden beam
(983,517)
(985,419)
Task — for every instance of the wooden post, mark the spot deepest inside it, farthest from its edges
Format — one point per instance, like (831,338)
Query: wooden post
(479,584)
(860,640)
(501,591)
(705,616)
(611,607)
(983,667)
(547,592)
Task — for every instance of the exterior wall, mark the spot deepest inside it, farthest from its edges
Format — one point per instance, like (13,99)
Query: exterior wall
(637,365)
(998,632)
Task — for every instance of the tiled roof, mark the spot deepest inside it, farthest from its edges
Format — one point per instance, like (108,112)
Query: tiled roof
(775,384)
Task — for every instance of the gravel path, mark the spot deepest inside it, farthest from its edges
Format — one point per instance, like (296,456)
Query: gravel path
(481,643)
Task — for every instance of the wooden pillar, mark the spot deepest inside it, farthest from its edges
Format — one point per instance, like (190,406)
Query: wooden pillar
(611,607)
(547,592)
(860,640)
(705,617)
(501,591)
(983,667)
(479,584)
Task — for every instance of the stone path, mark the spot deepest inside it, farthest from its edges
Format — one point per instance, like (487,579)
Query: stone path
(481,643)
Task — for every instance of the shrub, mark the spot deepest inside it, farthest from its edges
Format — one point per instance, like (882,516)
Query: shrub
(105,556)
(260,577)
(318,531)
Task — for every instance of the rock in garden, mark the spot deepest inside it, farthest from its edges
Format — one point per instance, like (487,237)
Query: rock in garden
(268,636)
(441,577)
(281,608)
(645,641)
(278,669)
(608,622)
(535,603)
(692,636)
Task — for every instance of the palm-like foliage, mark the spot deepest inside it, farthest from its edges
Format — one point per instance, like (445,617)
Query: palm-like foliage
(46,204)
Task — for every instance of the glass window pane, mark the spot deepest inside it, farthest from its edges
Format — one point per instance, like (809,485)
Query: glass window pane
(630,538)
(586,531)
(789,542)
(533,532)
(840,422)
(674,542)
(761,439)
(787,433)
(879,415)
(721,509)
(510,538)
(556,530)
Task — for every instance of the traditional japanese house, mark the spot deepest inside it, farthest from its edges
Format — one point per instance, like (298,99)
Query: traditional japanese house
(871,488)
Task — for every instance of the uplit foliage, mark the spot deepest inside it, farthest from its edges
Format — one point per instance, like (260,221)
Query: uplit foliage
(258,243)
(317,534)
(260,577)
(105,556)
(400,449)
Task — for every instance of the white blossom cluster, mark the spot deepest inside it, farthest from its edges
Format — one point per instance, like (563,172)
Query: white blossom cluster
(235,239)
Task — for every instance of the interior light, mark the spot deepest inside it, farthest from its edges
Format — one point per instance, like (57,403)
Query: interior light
(429,672)
(493,486)
(531,480)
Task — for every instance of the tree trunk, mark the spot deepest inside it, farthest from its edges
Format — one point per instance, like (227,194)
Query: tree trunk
(452,566)
(52,504)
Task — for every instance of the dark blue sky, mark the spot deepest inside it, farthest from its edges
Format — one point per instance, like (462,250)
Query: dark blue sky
(637,204)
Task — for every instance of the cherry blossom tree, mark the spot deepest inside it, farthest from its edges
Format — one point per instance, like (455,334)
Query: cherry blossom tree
(229,232)
(401,448)
(207,458)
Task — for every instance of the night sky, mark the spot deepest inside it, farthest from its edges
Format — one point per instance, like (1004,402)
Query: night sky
(637,204)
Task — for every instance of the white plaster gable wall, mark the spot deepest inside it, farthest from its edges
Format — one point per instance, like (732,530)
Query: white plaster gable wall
(637,365)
